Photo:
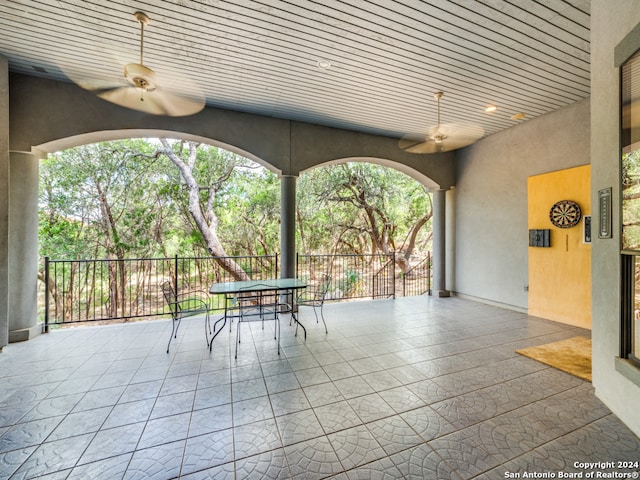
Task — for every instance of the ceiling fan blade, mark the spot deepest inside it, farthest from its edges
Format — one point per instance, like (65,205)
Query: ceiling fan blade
(453,130)
(99,86)
(156,102)
(180,95)
(459,135)
(413,144)
(130,97)
(410,141)
(175,105)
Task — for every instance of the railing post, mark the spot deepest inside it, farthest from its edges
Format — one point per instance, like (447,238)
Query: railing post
(374,277)
(393,277)
(175,274)
(46,295)
(429,272)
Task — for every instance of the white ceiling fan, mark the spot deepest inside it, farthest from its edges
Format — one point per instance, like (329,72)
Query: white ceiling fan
(143,89)
(442,137)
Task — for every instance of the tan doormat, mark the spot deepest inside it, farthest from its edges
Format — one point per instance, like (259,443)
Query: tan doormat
(572,356)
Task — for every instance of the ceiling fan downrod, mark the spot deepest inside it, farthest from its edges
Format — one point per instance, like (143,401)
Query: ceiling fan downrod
(438,137)
(138,75)
(142,20)
(438,96)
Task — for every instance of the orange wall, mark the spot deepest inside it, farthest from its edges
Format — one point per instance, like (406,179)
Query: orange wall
(560,276)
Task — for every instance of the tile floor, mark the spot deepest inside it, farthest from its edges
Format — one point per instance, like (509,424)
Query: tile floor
(416,388)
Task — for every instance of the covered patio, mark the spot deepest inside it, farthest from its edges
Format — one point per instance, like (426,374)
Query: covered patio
(414,388)
(418,387)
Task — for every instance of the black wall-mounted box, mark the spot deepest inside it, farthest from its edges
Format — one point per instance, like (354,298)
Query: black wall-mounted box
(540,238)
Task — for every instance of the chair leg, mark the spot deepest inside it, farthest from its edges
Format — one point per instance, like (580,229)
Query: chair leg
(237,338)
(207,327)
(174,331)
(278,332)
(175,335)
(322,315)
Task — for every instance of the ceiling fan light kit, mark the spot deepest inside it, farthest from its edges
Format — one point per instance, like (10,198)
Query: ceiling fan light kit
(140,76)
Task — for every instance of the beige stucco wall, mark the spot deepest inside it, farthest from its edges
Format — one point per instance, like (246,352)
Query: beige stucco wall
(51,116)
(611,21)
(23,242)
(491,244)
(4,201)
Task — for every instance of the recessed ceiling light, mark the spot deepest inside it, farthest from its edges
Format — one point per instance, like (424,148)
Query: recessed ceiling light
(323,64)
(518,116)
(490,108)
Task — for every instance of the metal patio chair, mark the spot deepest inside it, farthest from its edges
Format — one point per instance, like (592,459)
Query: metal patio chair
(187,304)
(257,307)
(315,295)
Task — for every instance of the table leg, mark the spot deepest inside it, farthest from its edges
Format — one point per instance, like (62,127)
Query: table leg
(295,319)
(224,320)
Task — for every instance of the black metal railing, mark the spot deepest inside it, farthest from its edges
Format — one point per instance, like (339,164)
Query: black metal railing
(366,276)
(417,280)
(106,290)
(112,289)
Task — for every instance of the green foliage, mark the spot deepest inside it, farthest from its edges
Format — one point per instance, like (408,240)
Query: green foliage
(123,199)
(250,216)
(351,283)
(334,201)
(91,199)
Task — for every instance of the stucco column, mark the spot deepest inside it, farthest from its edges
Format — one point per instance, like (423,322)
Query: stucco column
(450,240)
(439,243)
(288,226)
(4,202)
(23,247)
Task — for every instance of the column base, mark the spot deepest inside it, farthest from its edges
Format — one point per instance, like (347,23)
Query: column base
(443,293)
(25,334)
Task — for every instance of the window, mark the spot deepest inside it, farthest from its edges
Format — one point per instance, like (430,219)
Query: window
(630,188)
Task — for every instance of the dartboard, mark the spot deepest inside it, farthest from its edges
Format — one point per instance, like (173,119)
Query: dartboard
(565,214)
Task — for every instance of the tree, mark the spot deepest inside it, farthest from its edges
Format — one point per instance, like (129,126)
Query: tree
(140,198)
(213,173)
(92,205)
(250,218)
(366,206)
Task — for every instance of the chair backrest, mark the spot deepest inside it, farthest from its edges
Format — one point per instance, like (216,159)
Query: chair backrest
(326,282)
(320,292)
(170,296)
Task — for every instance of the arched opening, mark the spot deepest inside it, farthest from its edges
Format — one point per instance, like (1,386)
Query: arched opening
(241,208)
(366,225)
(109,135)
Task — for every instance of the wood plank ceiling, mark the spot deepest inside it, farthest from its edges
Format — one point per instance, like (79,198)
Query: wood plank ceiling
(388,57)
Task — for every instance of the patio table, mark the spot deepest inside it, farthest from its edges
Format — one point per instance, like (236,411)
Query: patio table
(279,286)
